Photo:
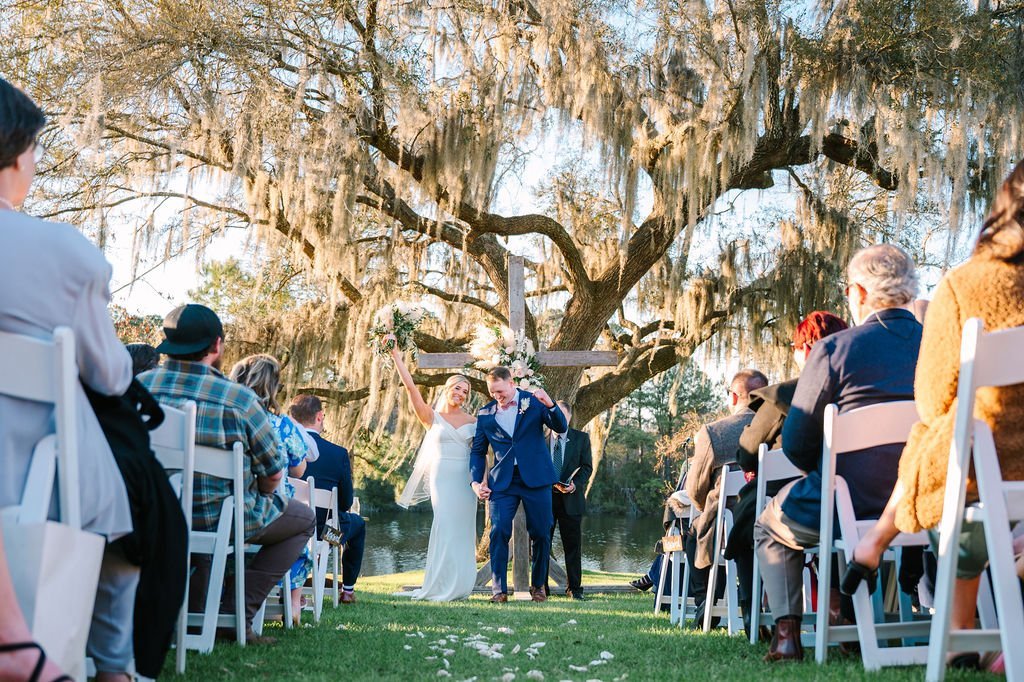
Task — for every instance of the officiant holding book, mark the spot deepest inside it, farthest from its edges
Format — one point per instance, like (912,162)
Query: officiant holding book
(570,454)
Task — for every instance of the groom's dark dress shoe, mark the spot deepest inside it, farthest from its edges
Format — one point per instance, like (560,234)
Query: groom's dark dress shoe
(499,598)
(538,594)
(575,594)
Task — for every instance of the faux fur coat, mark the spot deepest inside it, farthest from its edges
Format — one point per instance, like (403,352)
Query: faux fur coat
(992,290)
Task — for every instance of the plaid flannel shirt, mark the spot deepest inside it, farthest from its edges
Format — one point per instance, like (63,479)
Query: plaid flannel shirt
(226,412)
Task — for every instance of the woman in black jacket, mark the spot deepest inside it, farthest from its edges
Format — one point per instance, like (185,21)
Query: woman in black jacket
(770,404)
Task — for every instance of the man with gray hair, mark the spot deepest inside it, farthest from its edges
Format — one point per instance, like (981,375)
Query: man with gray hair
(870,363)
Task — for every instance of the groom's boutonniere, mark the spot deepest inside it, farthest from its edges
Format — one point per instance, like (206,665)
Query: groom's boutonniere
(524,405)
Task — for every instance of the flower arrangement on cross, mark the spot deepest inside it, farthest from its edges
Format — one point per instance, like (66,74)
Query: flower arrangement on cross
(497,345)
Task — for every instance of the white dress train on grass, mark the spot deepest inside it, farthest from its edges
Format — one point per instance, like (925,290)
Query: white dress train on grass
(451,554)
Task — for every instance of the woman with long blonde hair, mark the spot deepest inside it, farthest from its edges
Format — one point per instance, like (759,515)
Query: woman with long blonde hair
(262,373)
(442,474)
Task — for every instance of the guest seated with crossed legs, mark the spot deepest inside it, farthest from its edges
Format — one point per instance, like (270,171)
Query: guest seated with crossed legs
(870,363)
(990,285)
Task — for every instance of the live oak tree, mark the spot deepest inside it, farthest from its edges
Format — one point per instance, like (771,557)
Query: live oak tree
(383,143)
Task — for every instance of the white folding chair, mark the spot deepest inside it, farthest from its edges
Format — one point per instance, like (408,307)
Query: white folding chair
(46,371)
(679,606)
(227,539)
(772,465)
(729,483)
(174,444)
(323,551)
(865,427)
(305,493)
(986,359)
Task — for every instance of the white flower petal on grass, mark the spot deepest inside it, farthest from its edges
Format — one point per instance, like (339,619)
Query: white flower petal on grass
(446,663)
(341,626)
(447,652)
(420,635)
(443,673)
(571,621)
(578,668)
(597,662)
(431,658)
(516,648)
(410,634)
(442,642)
(505,631)
(508,677)
(607,655)
(407,647)
(535,675)
(537,645)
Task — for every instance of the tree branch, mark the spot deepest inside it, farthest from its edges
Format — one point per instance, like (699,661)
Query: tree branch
(461,298)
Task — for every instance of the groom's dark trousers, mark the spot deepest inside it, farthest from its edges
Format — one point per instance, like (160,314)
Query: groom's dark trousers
(539,521)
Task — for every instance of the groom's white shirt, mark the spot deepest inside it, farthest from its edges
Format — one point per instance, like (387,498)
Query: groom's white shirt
(506,419)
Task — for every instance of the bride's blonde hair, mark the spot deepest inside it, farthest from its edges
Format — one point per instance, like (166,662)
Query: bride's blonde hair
(455,380)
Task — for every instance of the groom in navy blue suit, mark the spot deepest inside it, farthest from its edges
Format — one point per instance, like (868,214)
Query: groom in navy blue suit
(512,425)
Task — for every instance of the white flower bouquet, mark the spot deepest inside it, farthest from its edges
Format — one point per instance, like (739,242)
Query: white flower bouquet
(495,345)
(399,318)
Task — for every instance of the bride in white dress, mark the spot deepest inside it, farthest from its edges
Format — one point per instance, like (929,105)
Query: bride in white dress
(442,474)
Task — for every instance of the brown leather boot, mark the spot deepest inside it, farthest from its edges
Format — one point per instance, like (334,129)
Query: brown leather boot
(786,641)
(835,617)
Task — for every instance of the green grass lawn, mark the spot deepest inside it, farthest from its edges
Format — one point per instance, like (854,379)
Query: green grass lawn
(383,637)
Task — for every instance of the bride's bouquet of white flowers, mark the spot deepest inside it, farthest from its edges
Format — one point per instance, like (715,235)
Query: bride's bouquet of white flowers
(399,318)
(496,345)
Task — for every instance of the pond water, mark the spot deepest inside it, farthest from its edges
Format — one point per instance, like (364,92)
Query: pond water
(397,541)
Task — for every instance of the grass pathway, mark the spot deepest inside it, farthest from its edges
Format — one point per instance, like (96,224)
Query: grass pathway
(611,638)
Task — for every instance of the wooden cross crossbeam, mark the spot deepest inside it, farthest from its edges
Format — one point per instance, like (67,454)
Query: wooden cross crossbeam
(517,323)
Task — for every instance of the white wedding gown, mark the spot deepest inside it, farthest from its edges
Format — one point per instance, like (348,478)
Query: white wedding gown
(451,554)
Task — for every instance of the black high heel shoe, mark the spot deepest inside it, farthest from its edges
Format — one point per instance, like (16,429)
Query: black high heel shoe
(40,662)
(855,573)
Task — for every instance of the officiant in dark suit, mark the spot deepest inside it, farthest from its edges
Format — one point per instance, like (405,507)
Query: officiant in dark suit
(570,452)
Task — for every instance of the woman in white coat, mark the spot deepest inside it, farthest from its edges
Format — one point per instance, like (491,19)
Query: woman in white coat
(50,276)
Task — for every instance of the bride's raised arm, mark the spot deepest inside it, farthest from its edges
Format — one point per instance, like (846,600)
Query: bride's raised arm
(424,412)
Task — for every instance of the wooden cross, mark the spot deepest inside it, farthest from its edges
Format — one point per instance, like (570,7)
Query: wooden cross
(517,323)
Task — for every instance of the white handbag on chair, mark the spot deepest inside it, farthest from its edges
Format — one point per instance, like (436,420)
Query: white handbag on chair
(55,569)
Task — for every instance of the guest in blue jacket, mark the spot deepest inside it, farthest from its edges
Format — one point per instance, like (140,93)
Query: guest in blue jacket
(333,469)
(873,362)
